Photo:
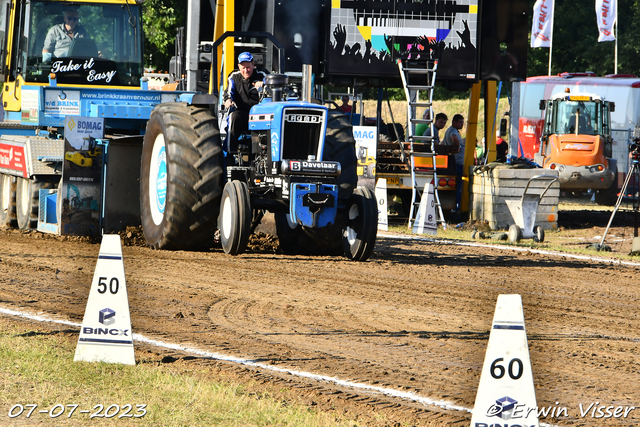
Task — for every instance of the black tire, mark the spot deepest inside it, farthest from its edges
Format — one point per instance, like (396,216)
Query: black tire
(28,200)
(8,215)
(538,232)
(340,146)
(371,171)
(290,235)
(235,217)
(609,196)
(361,225)
(183,143)
(515,233)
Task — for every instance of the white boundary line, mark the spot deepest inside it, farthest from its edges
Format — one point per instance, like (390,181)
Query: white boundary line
(227,358)
(510,248)
(233,359)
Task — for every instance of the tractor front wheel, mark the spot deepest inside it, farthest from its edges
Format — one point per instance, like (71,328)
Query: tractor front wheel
(235,217)
(361,225)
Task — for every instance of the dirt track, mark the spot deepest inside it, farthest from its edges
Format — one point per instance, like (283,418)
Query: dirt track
(416,317)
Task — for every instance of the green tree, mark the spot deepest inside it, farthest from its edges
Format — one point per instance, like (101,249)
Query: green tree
(575,41)
(161,20)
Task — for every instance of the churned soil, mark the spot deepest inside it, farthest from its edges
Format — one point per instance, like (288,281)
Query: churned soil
(414,318)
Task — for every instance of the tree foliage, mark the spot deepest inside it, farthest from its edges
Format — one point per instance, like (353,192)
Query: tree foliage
(575,41)
(161,19)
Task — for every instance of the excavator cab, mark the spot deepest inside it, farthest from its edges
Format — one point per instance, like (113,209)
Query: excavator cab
(577,142)
(580,118)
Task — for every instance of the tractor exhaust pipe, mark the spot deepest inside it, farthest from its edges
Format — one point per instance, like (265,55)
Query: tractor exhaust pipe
(307,82)
(275,84)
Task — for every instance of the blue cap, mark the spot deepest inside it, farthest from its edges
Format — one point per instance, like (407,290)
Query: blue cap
(245,57)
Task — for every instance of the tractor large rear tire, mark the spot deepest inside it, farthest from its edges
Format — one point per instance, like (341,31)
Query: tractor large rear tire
(289,235)
(8,216)
(181,177)
(339,146)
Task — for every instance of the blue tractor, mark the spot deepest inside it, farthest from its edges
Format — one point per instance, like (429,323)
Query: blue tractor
(298,162)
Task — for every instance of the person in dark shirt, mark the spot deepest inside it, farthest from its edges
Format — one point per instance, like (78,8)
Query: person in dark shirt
(60,37)
(242,92)
(502,148)
(345,107)
(439,123)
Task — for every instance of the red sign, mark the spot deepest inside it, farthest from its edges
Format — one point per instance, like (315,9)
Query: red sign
(530,132)
(12,157)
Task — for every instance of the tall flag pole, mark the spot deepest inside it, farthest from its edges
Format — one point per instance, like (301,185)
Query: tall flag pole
(607,17)
(551,33)
(542,26)
(615,65)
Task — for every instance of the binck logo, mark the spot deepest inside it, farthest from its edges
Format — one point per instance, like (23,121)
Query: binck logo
(503,408)
(105,331)
(107,316)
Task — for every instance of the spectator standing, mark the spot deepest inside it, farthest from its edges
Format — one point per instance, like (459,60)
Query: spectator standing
(502,148)
(453,140)
(439,124)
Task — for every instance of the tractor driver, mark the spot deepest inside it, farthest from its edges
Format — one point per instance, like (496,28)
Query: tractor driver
(61,36)
(242,92)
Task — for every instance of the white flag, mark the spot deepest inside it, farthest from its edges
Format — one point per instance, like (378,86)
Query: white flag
(606,14)
(541,28)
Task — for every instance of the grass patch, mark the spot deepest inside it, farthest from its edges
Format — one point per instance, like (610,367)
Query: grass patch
(450,107)
(38,368)
(567,241)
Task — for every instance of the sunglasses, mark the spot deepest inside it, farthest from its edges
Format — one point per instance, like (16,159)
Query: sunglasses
(72,18)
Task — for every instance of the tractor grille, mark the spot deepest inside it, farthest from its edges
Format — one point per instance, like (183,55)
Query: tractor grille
(301,132)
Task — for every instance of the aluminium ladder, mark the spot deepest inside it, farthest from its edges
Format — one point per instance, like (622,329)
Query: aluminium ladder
(410,74)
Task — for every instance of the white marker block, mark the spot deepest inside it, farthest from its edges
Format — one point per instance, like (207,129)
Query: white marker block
(106,328)
(381,197)
(506,395)
(425,222)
